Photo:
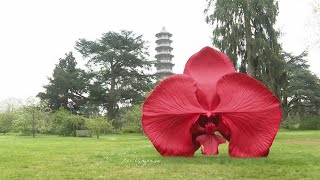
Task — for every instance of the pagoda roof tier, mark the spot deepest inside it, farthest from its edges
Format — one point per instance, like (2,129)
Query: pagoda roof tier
(164,55)
(157,65)
(163,40)
(163,47)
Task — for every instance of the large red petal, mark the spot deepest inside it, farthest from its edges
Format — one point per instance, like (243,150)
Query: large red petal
(206,67)
(168,115)
(250,112)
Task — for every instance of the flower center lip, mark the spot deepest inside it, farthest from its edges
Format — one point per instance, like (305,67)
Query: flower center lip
(210,128)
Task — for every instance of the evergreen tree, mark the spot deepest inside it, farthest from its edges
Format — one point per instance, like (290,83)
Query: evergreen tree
(118,64)
(68,86)
(302,90)
(244,30)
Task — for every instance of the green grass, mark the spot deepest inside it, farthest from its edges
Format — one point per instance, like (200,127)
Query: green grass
(294,155)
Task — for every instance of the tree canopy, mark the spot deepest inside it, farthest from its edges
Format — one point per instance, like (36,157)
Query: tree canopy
(244,30)
(118,68)
(302,89)
(68,86)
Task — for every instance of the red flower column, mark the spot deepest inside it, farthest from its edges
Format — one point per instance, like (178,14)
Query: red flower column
(185,112)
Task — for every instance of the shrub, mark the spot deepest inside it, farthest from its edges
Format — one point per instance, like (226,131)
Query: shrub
(99,125)
(131,128)
(310,122)
(131,120)
(291,122)
(66,124)
(6,122)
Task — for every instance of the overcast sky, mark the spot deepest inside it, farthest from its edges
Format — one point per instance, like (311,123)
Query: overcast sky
(34,34)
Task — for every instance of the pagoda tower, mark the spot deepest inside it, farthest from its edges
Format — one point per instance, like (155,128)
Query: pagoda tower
(164,57)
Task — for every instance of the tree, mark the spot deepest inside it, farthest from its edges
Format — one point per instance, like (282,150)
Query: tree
(45,117)
(302,90)
(6,121)
(118,65)
(244,30)
(99,125)
(10,105)
(46,123)
(67,87)
(30,117)
(28,120)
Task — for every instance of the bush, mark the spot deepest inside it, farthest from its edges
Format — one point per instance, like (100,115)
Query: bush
(311,122)
(99,125)
(291,122)
(131,128)
(6,122)
(66,124)
(131,120)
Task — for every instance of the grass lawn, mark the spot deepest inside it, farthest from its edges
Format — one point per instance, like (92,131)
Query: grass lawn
(294,155)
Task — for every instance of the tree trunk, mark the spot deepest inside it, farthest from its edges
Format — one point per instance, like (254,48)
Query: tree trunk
(110,106)
(33,124)
(243,66)
(285,107)
(109,113)
(248,36)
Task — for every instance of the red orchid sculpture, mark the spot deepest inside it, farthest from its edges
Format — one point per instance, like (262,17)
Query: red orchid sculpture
(185,110)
